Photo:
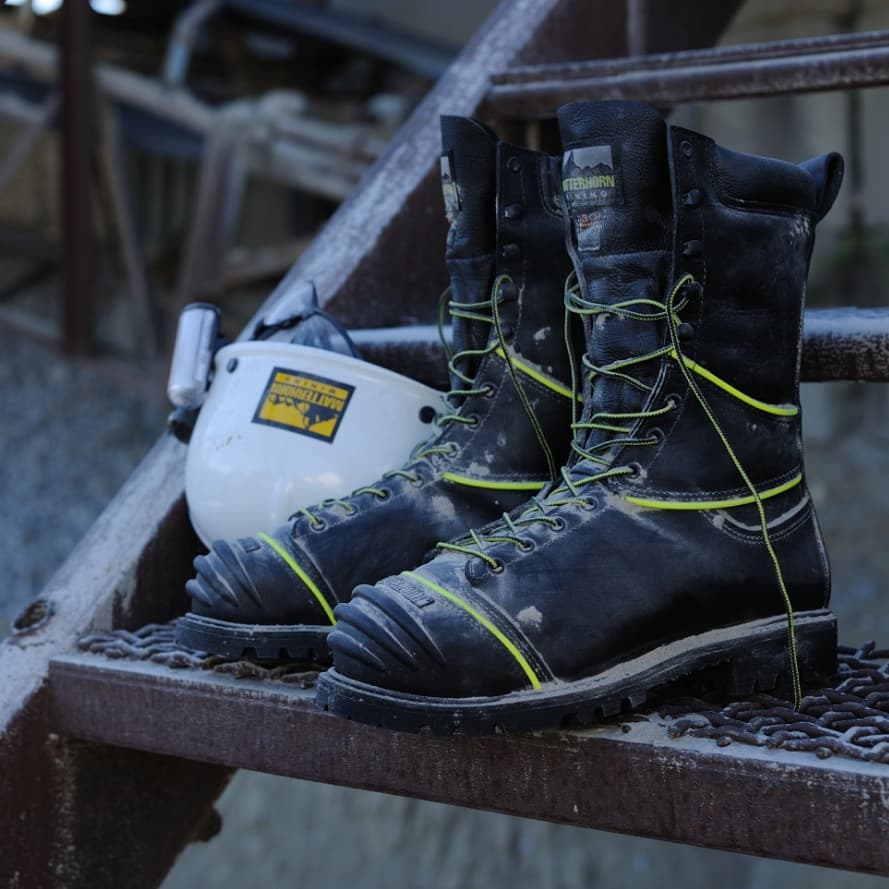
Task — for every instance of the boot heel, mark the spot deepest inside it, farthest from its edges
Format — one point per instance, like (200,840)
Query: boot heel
(765,664)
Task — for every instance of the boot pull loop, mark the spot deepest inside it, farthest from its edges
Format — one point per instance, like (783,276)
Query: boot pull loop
(827,175)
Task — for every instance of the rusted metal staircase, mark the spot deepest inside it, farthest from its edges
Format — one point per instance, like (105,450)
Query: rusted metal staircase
(112,756)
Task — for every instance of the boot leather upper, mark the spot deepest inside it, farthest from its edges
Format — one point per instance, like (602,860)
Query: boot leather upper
(622,568)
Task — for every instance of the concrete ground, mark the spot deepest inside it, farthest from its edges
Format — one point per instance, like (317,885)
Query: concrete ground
(70,435)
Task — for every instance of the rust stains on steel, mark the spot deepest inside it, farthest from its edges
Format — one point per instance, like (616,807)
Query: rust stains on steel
(838,344)
(713,75)
(64,814)
(846,344)
(631,776)
(738,52)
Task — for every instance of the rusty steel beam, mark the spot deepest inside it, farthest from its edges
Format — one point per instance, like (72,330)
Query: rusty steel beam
(86,814)
(653,61)
(630,778)
(697,81)
(846,344)
(838,344)
(78,259)
(129,569)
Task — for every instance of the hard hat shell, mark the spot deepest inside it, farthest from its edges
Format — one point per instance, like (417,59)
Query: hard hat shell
(285,426)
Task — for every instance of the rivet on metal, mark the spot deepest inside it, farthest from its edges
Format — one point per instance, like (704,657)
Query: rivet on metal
(32,617)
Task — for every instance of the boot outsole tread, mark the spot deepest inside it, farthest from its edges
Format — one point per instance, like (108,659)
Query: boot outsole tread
(731,661)
(296,643)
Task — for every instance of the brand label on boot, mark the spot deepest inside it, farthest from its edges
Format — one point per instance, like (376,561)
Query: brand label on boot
(409,591)
(589,181)
(449,188)
(304,403)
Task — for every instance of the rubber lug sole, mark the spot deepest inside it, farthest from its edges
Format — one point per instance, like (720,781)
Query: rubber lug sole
(732,661)
(257,642)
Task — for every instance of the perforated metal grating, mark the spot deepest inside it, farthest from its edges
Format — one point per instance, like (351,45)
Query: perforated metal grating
(849,718)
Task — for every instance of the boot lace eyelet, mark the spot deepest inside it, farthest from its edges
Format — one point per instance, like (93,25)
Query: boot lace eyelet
(497,567)
(489,390)
(508,290)
(559,524)
(657,434)
(673,401)
(472,420)
(475,570)
(693,290)
(320,525)
(526,546)
(635,471)
(453,449)
(384,494)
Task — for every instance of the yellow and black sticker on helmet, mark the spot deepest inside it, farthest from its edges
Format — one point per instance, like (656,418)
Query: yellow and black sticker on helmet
(304,403)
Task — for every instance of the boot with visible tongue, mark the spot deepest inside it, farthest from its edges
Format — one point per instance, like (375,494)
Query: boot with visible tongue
(681,539)
(501,436)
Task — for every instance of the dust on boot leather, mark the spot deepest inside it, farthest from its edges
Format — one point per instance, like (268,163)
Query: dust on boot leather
(682,538)
(502,436)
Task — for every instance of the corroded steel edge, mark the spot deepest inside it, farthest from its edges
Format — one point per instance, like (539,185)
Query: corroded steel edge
(630,778)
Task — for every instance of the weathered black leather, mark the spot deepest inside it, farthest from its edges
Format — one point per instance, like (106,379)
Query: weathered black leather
(594,582)
(504,222)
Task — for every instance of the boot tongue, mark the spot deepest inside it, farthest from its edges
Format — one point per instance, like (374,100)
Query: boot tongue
(469,185)
(615,175)
(616,182)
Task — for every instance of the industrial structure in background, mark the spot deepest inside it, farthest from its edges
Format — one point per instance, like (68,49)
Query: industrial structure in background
(258,107)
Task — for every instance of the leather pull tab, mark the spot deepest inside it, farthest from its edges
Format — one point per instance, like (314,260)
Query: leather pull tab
(827,174)
(449,188)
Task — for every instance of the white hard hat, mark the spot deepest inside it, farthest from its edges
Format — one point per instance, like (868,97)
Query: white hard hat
(287,425)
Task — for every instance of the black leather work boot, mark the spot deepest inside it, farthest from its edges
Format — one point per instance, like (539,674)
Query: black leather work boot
(503,434)
(681,539)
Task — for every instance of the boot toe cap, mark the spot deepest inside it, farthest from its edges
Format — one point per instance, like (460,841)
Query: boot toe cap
(396,635)
(247,581)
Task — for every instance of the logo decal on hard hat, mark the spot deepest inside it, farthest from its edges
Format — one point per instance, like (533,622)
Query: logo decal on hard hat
(304,403)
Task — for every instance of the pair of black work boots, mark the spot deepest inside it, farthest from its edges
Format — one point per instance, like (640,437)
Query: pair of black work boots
(678,536)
